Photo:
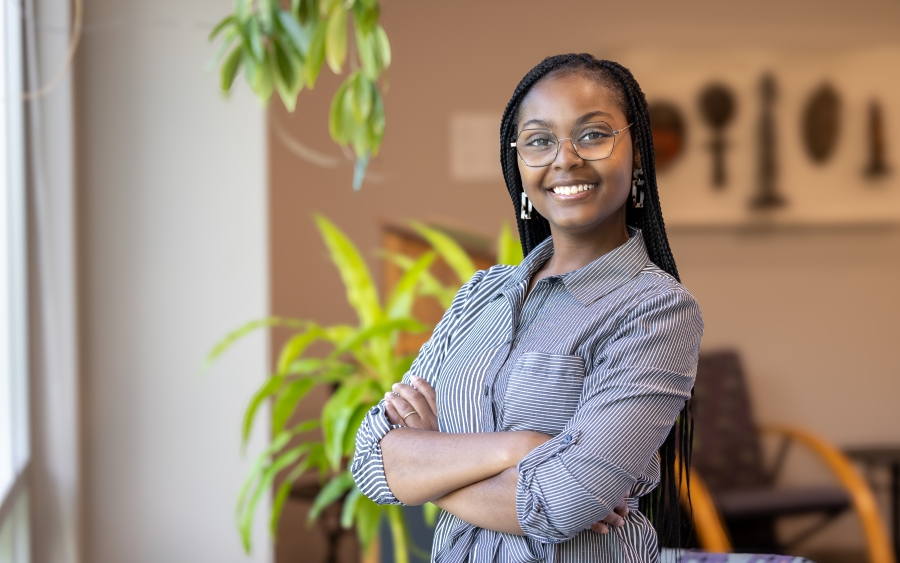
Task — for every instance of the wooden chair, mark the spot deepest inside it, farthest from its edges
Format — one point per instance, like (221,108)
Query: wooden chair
(734,499)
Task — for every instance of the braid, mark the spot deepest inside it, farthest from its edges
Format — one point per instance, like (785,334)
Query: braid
(662,505)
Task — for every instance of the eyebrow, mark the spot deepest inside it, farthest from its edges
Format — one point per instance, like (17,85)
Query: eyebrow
(583,119)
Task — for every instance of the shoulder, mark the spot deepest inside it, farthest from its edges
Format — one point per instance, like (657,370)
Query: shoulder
(484,285)
(656,289)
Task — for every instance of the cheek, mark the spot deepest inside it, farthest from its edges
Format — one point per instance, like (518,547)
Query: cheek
(531,177)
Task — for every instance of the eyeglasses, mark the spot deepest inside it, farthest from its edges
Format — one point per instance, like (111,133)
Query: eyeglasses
(591,141)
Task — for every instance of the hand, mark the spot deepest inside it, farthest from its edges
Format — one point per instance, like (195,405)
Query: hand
(616,518)
(413,406)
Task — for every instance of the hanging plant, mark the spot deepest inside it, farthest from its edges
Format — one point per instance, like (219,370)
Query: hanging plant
(281,51)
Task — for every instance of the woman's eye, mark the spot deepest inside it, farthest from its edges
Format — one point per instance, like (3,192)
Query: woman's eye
(539,142)
(593,135)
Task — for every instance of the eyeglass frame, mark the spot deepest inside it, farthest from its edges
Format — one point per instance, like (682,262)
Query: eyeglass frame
(559,143)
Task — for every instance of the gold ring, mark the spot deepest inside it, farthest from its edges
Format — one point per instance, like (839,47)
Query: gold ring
(409,414)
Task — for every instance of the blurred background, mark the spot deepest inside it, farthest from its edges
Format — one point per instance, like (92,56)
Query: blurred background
(146,215)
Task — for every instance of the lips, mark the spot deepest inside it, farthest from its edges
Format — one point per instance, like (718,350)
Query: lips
(572,189)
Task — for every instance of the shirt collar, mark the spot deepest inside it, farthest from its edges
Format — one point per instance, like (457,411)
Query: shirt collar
(593,281)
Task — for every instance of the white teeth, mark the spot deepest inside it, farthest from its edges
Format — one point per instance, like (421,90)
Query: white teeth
(569,190)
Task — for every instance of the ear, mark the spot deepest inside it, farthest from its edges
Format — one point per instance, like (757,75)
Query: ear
(637,159)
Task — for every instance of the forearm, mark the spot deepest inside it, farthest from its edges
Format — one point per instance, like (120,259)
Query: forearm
(421,466)
(489,504)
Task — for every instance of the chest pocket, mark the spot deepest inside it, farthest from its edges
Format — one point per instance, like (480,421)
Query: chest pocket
(542,392)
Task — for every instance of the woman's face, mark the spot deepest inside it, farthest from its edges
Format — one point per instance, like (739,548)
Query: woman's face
(561,103)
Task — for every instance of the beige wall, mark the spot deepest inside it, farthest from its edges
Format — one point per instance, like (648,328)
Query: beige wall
(172,227)
(814,311)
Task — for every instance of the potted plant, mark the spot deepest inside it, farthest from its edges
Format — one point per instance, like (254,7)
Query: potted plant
(362,365)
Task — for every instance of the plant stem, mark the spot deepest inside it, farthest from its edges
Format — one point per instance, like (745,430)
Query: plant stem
(398,533)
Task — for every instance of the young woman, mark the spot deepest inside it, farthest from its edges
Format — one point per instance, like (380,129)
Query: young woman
(542,408)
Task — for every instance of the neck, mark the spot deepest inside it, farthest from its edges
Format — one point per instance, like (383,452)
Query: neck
(573,250)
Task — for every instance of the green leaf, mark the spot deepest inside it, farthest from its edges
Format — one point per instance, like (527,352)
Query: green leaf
(229,69)
(270,387)
(288,398)
(431,287)
(235,335)
(227,21)
(285,72)
(266,13)
(295,32)
(327,7)
(368,521)
(284,63)
(331,492)
(349,509)
(376,122)
(509,251)
(265,83)
(261,461)
(401,300)
(284,491)
(362,97)
(243,9)
(380,328)
(336,115)
(254,35)
(449,250)
(295,347)
(337,413)
(264,485)
(227,42)
(430,512)
(384,47)
(353,424)
(399,533)
(361,291)
(305,426)
(316,56)
(336,39)
(368,52)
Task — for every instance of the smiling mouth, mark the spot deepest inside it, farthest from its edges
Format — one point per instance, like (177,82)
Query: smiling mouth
(572,190)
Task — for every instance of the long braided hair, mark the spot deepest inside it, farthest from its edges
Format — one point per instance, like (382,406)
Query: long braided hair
(661,506)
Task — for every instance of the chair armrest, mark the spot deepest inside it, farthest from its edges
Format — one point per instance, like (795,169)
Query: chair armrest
(860,493)
(710,529)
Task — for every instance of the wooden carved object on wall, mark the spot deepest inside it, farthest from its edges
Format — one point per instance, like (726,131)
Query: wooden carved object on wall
(821,123)
(767,196)
(717,106)
(668,129)
(877,166)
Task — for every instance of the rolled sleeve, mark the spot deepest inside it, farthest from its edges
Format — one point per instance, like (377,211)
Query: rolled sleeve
(368,464)
(632,396)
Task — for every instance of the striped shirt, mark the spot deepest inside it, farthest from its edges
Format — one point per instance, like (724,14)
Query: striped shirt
(602,359)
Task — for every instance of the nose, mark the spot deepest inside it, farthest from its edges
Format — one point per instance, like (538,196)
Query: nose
(566,158)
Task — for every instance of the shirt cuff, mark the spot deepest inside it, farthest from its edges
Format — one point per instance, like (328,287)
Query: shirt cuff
(368,464)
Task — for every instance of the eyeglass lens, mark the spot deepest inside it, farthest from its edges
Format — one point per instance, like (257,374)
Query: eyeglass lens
(592,141)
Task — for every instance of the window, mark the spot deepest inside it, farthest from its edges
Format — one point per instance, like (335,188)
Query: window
(14,436)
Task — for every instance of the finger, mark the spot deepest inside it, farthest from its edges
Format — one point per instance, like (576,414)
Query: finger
(427,391)
(415,399)
(600,528)
(614,520)
(400,405)
(622,509)
(391,413)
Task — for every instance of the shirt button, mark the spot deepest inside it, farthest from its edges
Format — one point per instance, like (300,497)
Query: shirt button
(567,439)
(487,389)
(375,410)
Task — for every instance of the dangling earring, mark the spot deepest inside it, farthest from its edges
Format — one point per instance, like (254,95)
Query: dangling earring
(525,203)
(637,200)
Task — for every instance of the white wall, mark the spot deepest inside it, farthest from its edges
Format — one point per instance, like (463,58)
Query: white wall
(173,241)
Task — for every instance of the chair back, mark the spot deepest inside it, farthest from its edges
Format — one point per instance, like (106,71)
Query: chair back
(726,450)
